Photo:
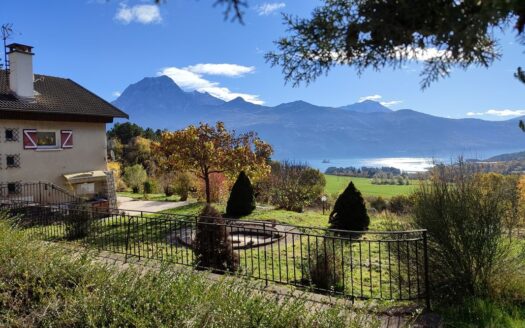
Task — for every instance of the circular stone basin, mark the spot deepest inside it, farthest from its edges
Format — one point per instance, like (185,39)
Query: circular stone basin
(242,234)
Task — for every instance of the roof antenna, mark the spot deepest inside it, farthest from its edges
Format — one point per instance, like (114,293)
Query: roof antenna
(7,30)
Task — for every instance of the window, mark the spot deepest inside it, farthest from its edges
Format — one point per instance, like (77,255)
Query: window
(11,135)
(85,188)
(13,161)
(13,188)
(46,139)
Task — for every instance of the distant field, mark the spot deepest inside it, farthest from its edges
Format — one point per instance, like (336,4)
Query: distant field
(336,184)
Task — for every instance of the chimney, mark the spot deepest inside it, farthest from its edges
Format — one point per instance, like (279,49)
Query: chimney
(21,70)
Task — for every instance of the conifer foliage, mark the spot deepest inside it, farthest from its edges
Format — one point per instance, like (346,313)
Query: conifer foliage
(350,211)
(213,248)
(242,197)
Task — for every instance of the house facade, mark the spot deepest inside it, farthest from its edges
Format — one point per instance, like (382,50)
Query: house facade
(52,130)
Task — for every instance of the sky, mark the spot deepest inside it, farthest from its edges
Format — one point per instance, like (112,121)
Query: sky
(105,45)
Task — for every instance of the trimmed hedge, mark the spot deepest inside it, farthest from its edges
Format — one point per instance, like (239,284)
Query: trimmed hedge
(350,211)
(242,197)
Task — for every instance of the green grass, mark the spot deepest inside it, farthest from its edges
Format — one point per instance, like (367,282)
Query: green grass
(44,285)
(480,312)
(336,184)
(368,271)
(309,218)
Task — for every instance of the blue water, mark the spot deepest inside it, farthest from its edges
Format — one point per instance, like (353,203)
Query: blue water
(405,164)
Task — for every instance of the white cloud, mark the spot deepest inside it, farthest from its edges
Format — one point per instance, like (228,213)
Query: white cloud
(499,112)
(475,114)
(186,79)
(379,97)
(189,80)
(391,103)
(144,14)
(268,8)
(373,97)
(230,70)
(426,54)
(418,54)
(505,112)
(116,94)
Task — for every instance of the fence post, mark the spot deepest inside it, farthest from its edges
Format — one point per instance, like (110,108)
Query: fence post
(127,239)
(40,192)
(265,258)
(427,280)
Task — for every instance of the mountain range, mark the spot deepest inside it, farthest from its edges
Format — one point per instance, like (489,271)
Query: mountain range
(300,130)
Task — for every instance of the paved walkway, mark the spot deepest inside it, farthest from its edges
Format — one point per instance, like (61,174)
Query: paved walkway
(133,207)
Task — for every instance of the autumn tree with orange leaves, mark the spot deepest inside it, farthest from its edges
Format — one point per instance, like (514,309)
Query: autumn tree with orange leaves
(207,149)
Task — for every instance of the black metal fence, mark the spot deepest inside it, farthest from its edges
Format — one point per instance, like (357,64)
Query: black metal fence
(35,192)
(367,265)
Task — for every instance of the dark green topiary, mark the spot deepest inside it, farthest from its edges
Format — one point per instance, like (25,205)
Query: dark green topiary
(242,197)
(350,211)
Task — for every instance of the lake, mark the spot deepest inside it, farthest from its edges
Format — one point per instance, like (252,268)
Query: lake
(406,164)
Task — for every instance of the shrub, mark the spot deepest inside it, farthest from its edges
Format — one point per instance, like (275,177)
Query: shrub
(115,167)
(213,247)
(242,198)
(479,312)
(263,190)
(135,176)
(378,203)
(121,185)
(295,186)
(349,211)
(400,204)
(148,187)
(218,187)
(182,185)
(324,266)
(466,222)
(77,223)
(169,191)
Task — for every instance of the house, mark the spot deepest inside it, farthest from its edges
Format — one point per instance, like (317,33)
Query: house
(52,130)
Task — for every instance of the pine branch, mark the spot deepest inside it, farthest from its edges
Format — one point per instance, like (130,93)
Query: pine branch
(520,75)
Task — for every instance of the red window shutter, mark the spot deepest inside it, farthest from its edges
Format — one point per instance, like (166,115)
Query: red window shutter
(30,139)
(66,137)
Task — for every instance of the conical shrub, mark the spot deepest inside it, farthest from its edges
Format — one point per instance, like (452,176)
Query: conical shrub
(242,197)
(350,211)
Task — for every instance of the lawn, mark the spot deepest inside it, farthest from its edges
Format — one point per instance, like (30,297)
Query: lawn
(336,184)
(369,266)
(310,218)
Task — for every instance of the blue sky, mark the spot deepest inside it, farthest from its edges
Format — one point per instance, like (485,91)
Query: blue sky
(107,45)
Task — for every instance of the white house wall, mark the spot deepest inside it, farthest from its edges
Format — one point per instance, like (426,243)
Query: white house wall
(87,154)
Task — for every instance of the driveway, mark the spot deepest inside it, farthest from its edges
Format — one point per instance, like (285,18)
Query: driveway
(133,207)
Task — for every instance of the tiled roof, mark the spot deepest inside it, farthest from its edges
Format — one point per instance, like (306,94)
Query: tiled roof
(57,95)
